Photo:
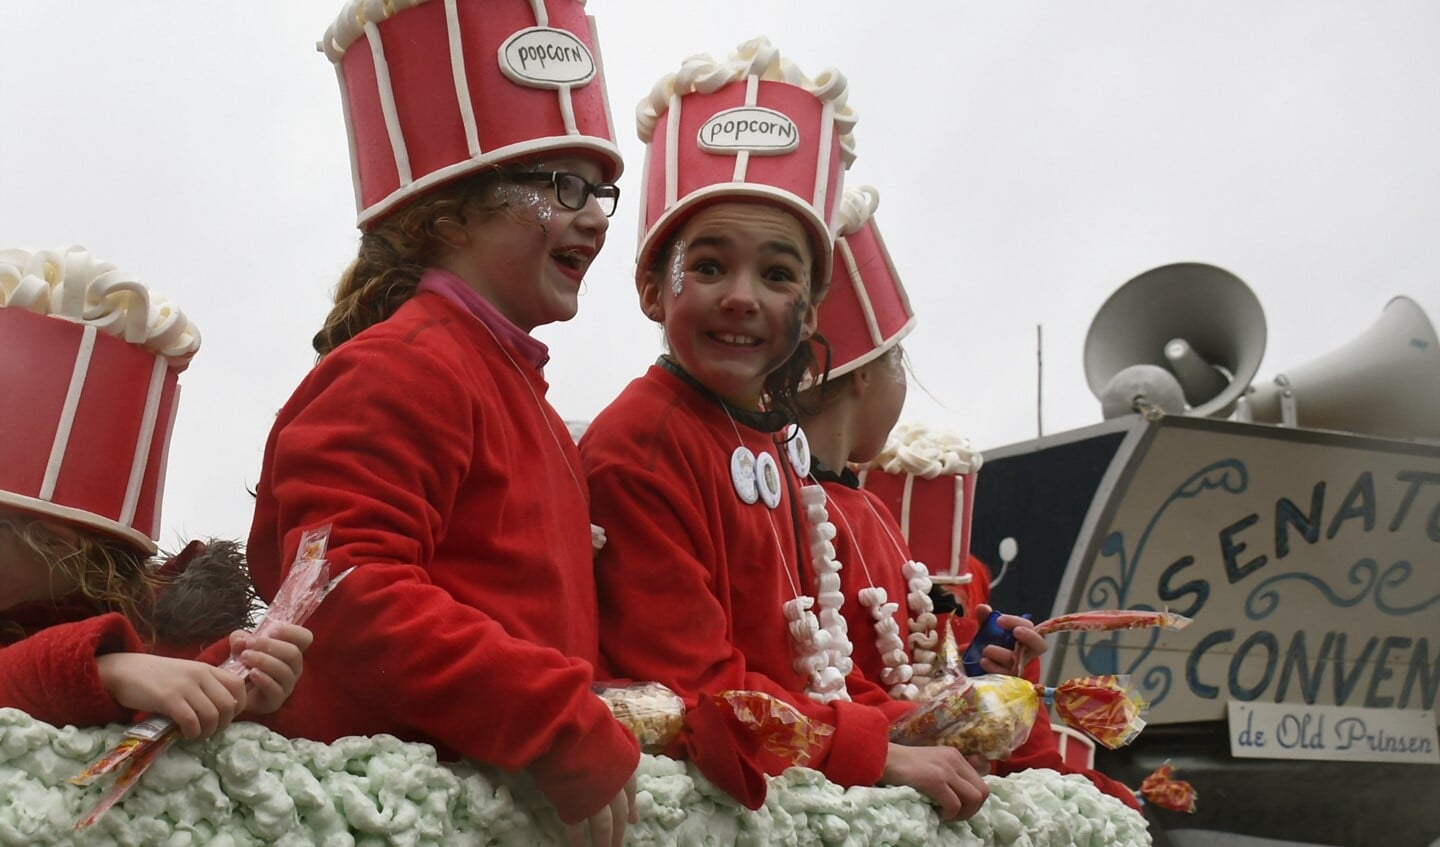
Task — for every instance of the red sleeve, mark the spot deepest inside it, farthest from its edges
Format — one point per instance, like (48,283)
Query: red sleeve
(380,450)
(664,617)
(52,674)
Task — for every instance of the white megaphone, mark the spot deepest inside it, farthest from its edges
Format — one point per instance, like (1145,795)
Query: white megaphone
(1384,382)
(1184,339)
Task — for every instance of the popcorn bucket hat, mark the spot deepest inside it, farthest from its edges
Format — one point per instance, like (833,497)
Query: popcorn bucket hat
(437,89)
(751,127)
(866,311)
(91,386)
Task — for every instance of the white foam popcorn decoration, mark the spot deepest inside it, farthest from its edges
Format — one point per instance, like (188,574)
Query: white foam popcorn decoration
(248,786)
(72,285)
(926,453)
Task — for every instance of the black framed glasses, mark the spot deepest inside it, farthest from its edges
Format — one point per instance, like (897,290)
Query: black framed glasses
(573,190)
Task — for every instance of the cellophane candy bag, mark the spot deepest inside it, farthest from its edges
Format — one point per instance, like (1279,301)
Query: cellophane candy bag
(991,715)
(651,711)
(656,715)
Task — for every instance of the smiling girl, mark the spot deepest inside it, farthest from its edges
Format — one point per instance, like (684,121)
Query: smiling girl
(423,435)
(707,583)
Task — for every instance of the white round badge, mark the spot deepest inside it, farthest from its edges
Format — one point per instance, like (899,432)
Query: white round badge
(767,479)
(798,447)
(742,473)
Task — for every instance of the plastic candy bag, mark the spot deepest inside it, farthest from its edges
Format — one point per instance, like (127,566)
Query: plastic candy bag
(651,711)
(992,714)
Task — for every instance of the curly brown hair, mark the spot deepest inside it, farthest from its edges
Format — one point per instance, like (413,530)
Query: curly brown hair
(394,254)
(109,573)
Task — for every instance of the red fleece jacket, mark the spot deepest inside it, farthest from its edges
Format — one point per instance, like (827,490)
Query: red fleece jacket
(692,580)
(455,492)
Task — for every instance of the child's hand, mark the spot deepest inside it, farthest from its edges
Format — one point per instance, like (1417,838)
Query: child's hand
(943,774)
(606,828)
(201,699)
(275,661)
(1028,644)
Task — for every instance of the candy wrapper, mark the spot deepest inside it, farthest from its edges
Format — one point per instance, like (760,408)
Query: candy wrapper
(782,729)
(304,587)
(1104,620)
(991,715)
(651,711)
(1110,620)
(1160,790)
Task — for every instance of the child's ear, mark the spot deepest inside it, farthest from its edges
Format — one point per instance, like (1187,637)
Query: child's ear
(651,301)
(810,321)
(451,233)
(860,380)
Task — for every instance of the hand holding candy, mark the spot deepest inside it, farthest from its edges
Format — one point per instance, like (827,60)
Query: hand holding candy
(993,649)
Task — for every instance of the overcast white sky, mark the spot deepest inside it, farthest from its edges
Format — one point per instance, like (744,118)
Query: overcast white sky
(1031,158)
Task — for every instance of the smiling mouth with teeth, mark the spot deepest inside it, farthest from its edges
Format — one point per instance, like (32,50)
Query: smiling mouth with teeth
(573,259)
(735,340)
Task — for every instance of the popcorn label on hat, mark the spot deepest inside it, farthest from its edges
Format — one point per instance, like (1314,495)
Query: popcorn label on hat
(749,128)
(752,128)
(866,312)
(542,57)
(436,89)
(93,359)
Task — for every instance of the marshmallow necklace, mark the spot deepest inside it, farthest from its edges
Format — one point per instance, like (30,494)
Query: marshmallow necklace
(818,634)
(905,673)
(817,629)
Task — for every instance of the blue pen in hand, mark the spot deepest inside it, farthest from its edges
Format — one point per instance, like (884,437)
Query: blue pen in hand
(990,632)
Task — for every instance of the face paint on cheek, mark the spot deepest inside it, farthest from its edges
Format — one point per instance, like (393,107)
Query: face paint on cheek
(526,203)
(794,323)
(677,268)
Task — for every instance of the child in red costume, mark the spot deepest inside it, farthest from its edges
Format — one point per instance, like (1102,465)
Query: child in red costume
(847,419)
(706,583)
(92,631)
(423,436)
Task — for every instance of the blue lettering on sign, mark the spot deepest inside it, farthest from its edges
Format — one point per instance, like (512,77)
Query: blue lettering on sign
(1352,733)
(1268,665)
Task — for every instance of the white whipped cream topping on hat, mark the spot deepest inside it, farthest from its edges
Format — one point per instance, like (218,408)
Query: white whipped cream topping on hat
(70,284)
(857,207)
(702,74)
(918,450)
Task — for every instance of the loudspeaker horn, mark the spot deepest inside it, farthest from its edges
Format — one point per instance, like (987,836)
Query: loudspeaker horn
(1185,338)
(1386,381)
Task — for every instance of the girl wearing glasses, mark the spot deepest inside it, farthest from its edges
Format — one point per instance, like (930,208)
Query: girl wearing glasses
(707,582)
(423,436)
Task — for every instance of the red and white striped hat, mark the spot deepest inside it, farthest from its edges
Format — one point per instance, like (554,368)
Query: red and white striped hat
(436,89)
(752,127)
(866,312)
(92,360)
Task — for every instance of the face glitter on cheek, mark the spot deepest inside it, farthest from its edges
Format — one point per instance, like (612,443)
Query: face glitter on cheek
(526,202)
(677,268)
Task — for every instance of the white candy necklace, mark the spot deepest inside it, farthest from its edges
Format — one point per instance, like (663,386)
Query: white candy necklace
(817,629)
(905,673)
